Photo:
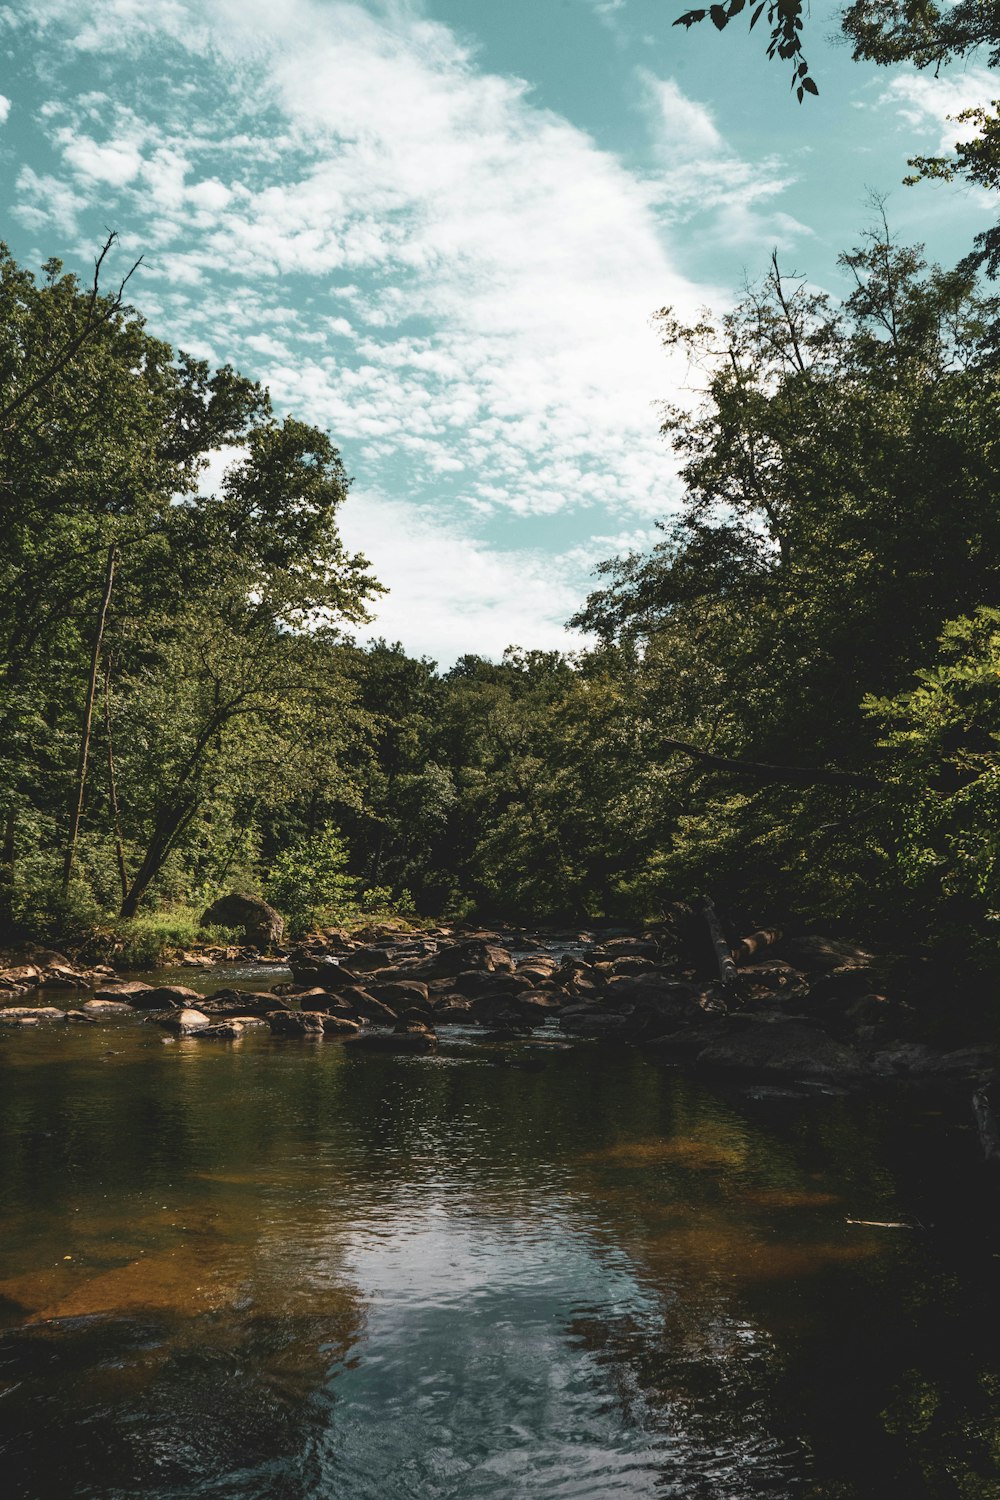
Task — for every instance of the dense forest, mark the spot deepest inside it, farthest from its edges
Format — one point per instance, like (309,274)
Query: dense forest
(792,702)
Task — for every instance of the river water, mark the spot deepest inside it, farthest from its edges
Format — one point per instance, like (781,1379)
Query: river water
(277,1271)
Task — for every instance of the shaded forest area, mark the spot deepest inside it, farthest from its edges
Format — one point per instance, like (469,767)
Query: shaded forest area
(792,702)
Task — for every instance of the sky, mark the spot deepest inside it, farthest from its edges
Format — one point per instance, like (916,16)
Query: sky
(440,230)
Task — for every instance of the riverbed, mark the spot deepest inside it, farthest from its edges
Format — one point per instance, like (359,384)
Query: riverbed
(519,1267)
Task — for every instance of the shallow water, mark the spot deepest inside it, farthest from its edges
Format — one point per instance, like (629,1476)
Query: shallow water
(274,1269)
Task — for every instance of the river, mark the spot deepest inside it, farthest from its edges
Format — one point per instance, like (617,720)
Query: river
(276,1271)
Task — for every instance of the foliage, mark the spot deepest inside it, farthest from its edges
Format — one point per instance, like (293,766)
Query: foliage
(309,884)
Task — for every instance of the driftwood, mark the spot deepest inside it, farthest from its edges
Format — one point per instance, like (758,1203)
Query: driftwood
(723,956)
(986,1121)
(756,770)
(748,946)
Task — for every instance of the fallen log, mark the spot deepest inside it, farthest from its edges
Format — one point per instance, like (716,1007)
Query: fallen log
(723,956)
(748,946)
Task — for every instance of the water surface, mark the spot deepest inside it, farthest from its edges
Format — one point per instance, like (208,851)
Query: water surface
(515,1269)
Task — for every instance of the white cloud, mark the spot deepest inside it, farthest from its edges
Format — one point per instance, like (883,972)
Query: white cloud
(4,109)
(450,593)
(472,275)
(931,103)
(682,127)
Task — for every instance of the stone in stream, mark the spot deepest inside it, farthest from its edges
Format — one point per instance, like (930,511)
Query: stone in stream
(230,1003)
(121,989)
(159,996)
(181,1022)
(62,977)
(407,1036)
(94,1008)
(18,1015)
(259,923)
(339,1026)
(222,1031)
(306,1023)
(401,992)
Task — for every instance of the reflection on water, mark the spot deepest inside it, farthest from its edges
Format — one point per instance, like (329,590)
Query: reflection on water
(276,1269)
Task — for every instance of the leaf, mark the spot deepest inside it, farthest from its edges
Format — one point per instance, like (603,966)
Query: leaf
(757,14)
(809,86)
(735,6)
(690,17)
(719,18)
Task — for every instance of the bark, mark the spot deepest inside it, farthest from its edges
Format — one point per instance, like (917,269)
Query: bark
(88,718)
(723,955)
(748,946)
(113,788)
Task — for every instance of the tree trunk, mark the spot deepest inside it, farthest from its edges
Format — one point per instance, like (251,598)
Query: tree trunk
(169,824)
(113,787)
(88,717)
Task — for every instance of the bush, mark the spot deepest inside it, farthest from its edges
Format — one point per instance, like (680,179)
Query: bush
(154,939)
(309,883)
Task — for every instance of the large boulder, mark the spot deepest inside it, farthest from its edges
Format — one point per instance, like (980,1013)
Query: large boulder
(260,924)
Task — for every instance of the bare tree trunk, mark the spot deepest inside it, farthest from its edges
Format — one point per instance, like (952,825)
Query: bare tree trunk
(113,787)
(88,717)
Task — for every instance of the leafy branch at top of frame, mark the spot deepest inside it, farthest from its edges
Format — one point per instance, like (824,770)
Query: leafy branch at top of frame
(785,20)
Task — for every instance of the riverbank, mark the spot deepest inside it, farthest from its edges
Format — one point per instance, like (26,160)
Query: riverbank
(807,1007)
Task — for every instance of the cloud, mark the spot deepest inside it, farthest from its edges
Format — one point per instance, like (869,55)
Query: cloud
(4,109)
(450,593)
(931,103)
(412,253)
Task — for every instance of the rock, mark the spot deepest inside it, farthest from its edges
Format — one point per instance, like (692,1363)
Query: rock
(819,955)
(196,961)
(61,977)
(244,1002)
(260,924)
(400,993)
(158,997)
(841,986)
(21,976)
(251,1023)
(122,989)
(93,1008)
(452,1010)
(223,1031)
(406,1037)
(367,960)
(538,1005)
(779,1046)
(15,1015)
(181,1022)
(474,953)
(666,999)
(914,1060)
(81,1018)
(307,1023)
(339,1026)
(632,964)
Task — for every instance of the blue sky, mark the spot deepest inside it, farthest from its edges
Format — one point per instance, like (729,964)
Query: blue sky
(439,229)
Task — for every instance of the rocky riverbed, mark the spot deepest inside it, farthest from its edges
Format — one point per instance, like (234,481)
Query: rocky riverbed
(807,1008)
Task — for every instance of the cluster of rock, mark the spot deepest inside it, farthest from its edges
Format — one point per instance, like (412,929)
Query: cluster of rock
(809,1009)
